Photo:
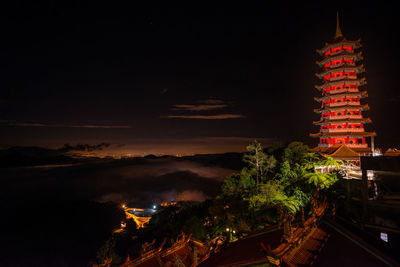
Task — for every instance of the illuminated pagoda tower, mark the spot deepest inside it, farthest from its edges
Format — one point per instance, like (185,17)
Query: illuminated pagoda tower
(342,121)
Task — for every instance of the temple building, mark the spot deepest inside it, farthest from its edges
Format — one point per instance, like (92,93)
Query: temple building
(341,110)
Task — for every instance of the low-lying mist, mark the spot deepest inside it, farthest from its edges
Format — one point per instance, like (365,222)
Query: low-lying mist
(61,215)
(159,180)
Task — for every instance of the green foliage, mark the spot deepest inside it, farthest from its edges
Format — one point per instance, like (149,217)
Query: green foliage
(321,180)
(195,227)
(296,152)
(259,162)
(286,174)
(238,184)
(326,179)
(329,161)
(272,194)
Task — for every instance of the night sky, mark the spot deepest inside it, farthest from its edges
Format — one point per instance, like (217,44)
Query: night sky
(183,78)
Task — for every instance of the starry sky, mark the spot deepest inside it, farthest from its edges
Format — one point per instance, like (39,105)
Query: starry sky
(183,78)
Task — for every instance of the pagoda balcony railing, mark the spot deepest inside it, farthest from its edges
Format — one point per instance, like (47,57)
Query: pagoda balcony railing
(344,117)
(338,104)
(349,145)
(356,130)
(340,65)
(344,90)
(337,53)
(351,77)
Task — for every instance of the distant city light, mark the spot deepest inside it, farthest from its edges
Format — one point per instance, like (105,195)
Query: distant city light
(227,229)
(154,207)
(384,237)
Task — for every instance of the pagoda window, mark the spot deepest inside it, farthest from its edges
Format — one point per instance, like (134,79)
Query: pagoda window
(339,113)
(351,142)
(349,113)
(349,126)
(340,127)
(340,142)
(360,141)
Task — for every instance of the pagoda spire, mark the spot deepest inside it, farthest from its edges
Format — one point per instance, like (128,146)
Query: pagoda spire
(338,33)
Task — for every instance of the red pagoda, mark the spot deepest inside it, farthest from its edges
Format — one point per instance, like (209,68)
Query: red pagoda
(342,121)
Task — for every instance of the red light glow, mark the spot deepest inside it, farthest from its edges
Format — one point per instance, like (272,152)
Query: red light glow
(337,49)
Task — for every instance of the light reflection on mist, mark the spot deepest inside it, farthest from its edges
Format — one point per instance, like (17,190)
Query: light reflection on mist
(160,180)
(168,146)
(162,167)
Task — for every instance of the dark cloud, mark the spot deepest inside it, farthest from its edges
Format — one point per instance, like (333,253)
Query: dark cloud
(212,101)
(206,117)
(83,147)
(199,107)
(204,105)
(163,91)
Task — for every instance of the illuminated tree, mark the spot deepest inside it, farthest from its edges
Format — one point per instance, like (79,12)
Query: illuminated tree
(320,179)
(329,161)
(259,162)
(271,194)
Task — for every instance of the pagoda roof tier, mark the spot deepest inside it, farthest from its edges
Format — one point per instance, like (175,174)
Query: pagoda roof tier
(326,122)
(347,55)
(361,94)
(346,107)
(343,134)
(340,43)
(359,82)
(357,69)
(342,151)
